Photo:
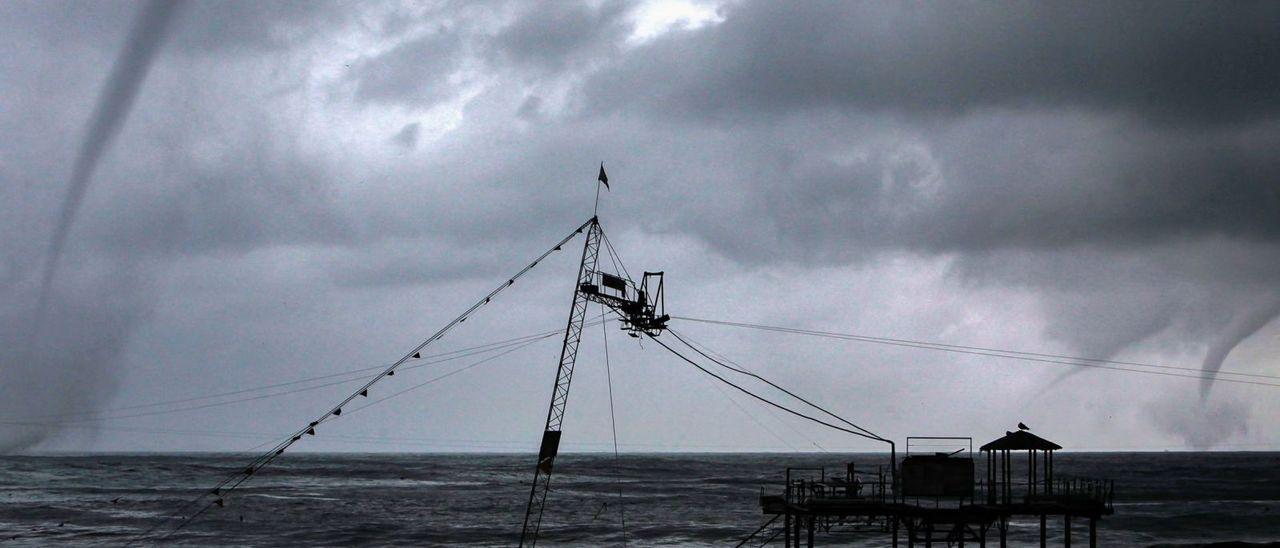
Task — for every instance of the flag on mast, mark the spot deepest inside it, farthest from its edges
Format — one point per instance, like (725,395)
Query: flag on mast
(603,178)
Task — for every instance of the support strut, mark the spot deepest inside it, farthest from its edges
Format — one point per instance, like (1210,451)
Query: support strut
(560,392)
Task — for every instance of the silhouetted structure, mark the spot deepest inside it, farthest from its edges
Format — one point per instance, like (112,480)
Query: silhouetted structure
(640,308)
(936,498)
(1041,494)
(1000,465)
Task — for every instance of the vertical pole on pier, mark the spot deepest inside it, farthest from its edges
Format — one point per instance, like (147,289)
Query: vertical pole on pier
(1049,480)
(991,477)
(786,529)
(1048,472)
(1066,531)
(1031,481)
(1031,472)
(1004,532)
(1093,532)
(811,518)
(1008,477)
(1043,544)
(895,532)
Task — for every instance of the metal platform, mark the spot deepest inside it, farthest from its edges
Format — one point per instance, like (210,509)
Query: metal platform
(931,499)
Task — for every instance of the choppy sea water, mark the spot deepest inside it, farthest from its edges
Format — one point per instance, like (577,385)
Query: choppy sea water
(683,500)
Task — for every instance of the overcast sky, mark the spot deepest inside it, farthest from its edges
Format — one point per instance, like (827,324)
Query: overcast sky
(280,191)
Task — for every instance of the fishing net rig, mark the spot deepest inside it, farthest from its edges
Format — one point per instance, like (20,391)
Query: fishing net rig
(603,279)
(215,497)
(638,305)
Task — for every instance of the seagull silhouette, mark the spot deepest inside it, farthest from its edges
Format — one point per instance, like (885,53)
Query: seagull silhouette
(1023,427)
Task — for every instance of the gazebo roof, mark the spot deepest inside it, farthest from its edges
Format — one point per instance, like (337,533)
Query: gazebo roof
(1020,440)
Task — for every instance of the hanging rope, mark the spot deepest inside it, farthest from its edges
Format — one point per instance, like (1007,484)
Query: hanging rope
(426,361)
(768,410)
(241,478)
(1036,357)
(615,257)
(771,383)
(265,459)
(268,395)
(720,390)
(613,426)
(441,377)
(762,398)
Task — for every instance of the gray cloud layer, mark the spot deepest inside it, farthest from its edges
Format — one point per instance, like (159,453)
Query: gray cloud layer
(1057,124)
(1176,63)
(1095,177)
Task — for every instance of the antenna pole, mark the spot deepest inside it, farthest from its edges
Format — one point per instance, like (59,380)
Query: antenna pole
(595,210)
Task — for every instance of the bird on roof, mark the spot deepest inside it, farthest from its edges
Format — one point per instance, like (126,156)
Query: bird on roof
(1023,427)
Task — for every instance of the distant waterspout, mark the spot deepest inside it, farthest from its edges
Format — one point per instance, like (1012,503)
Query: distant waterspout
(114,104)
(1240,328)
(57,359)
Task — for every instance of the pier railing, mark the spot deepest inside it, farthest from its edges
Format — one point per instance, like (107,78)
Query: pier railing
(1069,490)
(809,484)
(855,501)
(804,485)
(1099,491)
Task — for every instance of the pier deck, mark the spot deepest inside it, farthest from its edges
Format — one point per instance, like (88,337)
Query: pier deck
(812,503)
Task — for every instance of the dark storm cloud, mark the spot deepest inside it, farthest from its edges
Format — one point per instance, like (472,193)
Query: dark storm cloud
(205,27)
(414,72)
(1061,138)
(407,137)
(529,109)
(551,35)
(1048,134)
(1169,62)
(1100,300)
(1126,187)
(213,27)
(1113,164)
(406,267)
(1186,97)
(261,190)
(546,37)
(1137,189)
(810,190)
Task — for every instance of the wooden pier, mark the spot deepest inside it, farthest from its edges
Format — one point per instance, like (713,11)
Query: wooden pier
(934,498)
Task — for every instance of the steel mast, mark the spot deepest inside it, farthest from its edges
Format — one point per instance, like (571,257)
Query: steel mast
(640,307)
(560,392)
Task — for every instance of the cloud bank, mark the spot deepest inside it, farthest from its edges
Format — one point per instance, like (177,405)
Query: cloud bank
(1098,180)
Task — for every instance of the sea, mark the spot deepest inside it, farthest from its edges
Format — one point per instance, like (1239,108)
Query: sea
(1161,499)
